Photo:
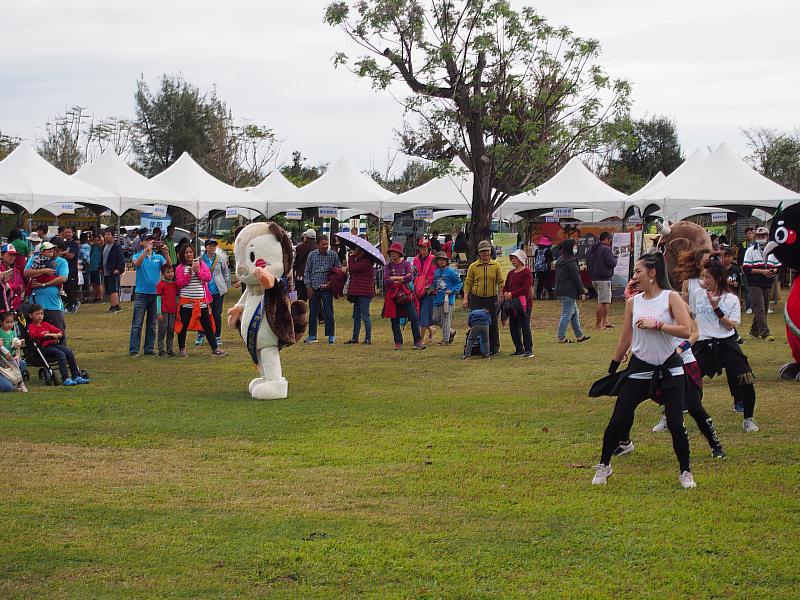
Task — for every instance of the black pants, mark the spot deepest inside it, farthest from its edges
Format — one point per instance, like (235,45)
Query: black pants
(632,394)
(694,404)
(205,321)
(490,304)
(71,289)
(65,358)
(544,281)
(216,313)
(737,368)
(520,328)
(409,311)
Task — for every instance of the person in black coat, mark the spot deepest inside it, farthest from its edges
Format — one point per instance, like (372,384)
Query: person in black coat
(569,288)
(113,267)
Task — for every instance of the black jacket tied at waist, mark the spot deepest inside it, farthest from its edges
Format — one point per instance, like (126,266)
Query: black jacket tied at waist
(714,345)
(662,379)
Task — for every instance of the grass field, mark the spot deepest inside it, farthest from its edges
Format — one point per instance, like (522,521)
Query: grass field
(385,475)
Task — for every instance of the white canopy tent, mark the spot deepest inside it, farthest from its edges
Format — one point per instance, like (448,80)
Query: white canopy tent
(574,186)
(30,182)
(132,189)
(632,206)
(723,181)
(452,191)
(341,187)
(274,187)
(203,191)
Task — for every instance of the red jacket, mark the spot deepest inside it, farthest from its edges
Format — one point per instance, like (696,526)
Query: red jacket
(168,290)
(37,333)
(362,277)
(519,284)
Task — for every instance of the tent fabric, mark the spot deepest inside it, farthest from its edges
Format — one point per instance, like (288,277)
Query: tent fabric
(574,186)
(203,191)
(647,202)
(340,187)
(132,190)
(274,187)
(452,191)
(30,182)
(722,180)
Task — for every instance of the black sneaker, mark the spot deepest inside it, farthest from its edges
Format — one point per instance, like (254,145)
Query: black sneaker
(150,353)
(718,452)
(738,407)
(162,352)
(351,342)
(516,353)
(367,342)
(115,309)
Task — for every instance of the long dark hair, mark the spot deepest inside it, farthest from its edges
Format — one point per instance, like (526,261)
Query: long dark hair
(719,273)
(567,248)
(655,260)
(182,254)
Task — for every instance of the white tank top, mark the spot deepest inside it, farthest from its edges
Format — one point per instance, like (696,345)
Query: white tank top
(651,345)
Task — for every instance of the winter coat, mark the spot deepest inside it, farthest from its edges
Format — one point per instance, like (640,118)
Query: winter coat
(568,277)
(600,261)
(484,279)
(362,276)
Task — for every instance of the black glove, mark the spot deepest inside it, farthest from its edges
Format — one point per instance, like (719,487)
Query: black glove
(612,368)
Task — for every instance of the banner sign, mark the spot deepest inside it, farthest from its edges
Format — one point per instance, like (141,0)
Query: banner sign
(388,217)
(421,214)
(634,220)
(231,212)
(551,219)
(564,213)
(328,211)
(67,207)
(294,215)
(159,211)
(719,217)
(151,222)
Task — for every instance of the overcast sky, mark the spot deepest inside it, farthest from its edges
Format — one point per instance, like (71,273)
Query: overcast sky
(714,66)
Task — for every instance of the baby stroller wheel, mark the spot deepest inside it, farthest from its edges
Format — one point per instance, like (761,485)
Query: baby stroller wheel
(45,376)
(26,375)
(84,373)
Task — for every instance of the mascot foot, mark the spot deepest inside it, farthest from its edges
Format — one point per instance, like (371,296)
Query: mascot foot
(254,383)
(270,390)
(790,371)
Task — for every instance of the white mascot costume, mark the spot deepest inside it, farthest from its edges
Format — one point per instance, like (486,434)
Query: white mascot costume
(264,315)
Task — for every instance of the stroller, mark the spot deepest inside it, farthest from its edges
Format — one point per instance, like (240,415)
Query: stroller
(48,372)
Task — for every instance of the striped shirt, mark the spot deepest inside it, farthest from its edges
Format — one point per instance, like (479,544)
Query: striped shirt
(754,259)
(194,290)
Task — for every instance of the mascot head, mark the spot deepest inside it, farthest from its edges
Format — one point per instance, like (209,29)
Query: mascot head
(783,237)
(264,245)
(678,238)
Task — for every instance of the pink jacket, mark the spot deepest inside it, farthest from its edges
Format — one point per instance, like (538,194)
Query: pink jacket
(183,275)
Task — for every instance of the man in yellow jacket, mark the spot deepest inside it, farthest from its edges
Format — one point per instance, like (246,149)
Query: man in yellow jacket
(482,288)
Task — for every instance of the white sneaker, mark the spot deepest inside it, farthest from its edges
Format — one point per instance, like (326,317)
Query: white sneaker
(687,481)
(602,474)
(623,449)
(661,426)
(749,426)
(770,312)
(749,311)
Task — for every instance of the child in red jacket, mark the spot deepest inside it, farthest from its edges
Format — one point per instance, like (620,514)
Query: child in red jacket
(47,337)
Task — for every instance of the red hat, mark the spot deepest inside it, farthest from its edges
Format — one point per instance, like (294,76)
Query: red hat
(396,248)
(424,242)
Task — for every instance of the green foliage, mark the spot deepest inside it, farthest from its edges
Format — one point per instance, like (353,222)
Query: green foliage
(299,173)
(639,149)
(7,144)
(414,174)
(776,155)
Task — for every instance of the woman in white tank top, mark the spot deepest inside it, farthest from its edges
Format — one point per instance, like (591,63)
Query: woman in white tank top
(653,320)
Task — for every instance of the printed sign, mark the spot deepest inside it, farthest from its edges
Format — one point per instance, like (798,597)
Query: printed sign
(388,217)
(294,215)
(231,212)
(564,213)
(551,219)
(159,211)
(328,211)
(421,214)
(634,220)
(719,217)
(151,222)
(67,208)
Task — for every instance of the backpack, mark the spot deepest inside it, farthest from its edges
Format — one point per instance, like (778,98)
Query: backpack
(540,261)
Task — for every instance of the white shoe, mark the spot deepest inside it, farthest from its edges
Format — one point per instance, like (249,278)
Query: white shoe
(749,311)
(687,481)
(602,474)
(661,426)
(623,449)
(770,312)
(749,426)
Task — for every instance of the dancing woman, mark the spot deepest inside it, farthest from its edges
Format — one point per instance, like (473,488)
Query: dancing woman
(718,312)
(653,322)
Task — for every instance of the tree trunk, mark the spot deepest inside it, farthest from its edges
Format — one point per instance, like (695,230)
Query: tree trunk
(480,225)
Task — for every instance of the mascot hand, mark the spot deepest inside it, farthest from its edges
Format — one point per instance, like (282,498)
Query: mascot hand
(265,278)
(234,316)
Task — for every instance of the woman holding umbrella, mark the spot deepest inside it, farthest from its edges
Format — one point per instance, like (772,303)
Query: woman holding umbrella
(361,286)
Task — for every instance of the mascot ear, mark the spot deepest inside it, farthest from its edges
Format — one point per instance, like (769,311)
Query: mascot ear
(286,244)
(679,245)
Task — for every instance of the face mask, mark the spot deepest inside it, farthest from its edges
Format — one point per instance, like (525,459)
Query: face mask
(761,243)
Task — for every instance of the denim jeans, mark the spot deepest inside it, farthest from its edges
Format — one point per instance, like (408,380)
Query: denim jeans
(321,301)
(144,303)
(6,385)
(361,313)
(65,359)
(569,314)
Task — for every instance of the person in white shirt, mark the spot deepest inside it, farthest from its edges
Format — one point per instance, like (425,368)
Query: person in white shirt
(760,272)
(718,312)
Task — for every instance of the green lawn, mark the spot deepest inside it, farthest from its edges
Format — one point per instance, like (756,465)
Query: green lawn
(385,474)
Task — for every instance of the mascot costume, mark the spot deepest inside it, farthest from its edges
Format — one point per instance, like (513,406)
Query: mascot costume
(265,317)
(677,238)
(784,244)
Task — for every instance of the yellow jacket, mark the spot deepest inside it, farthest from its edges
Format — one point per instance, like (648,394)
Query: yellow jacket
(484,279)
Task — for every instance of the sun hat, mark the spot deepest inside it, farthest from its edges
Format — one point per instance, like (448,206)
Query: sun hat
(762,231)
(484,245)
(34,237)
(310,233)
(8,248)
(46,246)
(210,241)
(424,242)
(544,241)
(519,255)
(398,248)
(442,254)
